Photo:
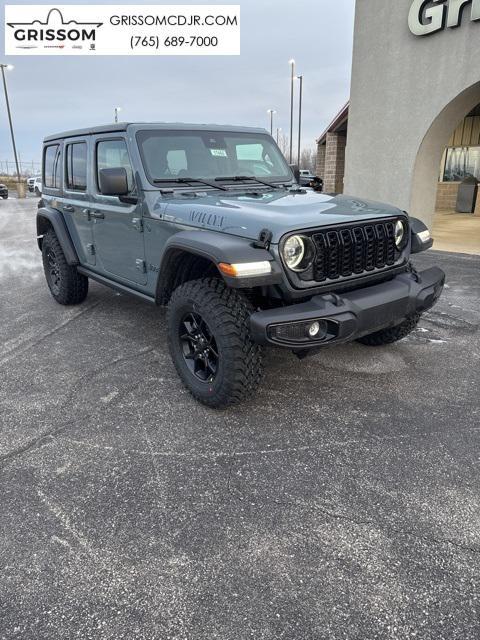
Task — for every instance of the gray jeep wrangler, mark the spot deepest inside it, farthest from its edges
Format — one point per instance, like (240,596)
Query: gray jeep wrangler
(211,221)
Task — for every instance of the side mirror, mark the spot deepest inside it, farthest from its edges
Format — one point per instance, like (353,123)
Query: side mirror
(421,238)
(296,172)
(113,182)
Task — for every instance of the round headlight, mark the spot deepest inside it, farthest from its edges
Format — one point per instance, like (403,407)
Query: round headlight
(399,233)
(293,251)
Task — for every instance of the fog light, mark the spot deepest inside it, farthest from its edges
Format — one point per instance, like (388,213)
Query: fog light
(314,329)
(317,329)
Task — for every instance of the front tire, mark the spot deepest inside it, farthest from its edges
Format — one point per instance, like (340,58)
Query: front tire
(393,334)
(210,342)
(66,285)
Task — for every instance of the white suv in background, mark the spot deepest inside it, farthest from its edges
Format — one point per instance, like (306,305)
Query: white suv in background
(37,186)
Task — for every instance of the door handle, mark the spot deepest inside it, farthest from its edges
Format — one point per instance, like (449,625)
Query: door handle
(97,214)
(68,208)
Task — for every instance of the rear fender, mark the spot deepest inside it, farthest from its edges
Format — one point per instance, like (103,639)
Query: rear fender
(51,218)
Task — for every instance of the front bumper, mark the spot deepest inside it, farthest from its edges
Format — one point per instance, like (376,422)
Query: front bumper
(351,315)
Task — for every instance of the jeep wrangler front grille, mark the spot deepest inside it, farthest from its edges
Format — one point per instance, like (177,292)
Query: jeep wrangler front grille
(354,250)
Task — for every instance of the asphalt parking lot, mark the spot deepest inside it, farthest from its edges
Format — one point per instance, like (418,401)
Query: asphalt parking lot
(342,502)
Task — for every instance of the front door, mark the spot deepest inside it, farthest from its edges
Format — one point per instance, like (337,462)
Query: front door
(117,226)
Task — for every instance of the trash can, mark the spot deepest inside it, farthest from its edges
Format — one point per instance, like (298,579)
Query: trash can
(467,195)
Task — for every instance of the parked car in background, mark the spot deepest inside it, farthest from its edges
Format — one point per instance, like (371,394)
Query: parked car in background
(3,191)
(305,177)
(37,186)
(31,183)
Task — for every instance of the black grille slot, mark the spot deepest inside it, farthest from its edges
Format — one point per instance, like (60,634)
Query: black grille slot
(352,251)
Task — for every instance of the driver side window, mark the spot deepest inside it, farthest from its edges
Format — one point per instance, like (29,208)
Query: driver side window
(112,154)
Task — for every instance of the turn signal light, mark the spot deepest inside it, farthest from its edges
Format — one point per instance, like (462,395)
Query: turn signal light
(246,269)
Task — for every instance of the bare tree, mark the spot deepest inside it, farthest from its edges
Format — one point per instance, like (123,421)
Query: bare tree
(308,159)
(284,144)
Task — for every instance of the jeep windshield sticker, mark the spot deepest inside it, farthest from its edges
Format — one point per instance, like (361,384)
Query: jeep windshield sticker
(207,219)
(117,30)
(219,153)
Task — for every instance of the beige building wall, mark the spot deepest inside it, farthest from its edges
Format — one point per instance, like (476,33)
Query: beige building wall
(408,94)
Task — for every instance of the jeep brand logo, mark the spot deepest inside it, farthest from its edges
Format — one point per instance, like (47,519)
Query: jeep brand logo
(54,30)
(429,16)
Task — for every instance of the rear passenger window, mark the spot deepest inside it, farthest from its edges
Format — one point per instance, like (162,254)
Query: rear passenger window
(112,154)
(76,166)
(51,172)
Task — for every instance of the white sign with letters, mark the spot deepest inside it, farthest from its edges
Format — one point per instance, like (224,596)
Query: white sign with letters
(122,30)
(428,16)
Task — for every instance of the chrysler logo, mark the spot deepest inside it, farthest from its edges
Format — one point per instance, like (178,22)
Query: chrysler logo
(429,16)
(55,31)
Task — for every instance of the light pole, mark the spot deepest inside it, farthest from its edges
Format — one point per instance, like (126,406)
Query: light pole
(117,109)
(292,79)
(20,186)
(300,78)
(278,133)
(271,112)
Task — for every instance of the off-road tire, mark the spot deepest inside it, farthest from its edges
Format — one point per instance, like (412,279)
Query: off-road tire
(71,287)
(226,313)
(393,334)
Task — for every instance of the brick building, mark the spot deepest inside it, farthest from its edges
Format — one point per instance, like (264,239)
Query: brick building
(411,130)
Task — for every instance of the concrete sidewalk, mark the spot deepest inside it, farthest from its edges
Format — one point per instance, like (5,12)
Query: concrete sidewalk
(341,503)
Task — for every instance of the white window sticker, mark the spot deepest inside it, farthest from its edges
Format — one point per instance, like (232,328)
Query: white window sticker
(220,153)
(117,30)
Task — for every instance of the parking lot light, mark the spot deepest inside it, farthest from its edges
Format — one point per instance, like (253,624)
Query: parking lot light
(292,80)
(117,109)
(300,79)
(271,112)
(20,185)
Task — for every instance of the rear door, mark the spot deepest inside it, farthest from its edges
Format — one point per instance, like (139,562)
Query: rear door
(77,196)
(117,226)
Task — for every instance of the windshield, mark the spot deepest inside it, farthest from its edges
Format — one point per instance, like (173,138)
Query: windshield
(210,155)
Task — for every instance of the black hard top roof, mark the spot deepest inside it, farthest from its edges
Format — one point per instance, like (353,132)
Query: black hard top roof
(173,126)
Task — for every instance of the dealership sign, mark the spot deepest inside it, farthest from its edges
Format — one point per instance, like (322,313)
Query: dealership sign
(122,30)
(429,16)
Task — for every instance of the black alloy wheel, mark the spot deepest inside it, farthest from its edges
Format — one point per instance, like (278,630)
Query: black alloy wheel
(54,276)
(199,347)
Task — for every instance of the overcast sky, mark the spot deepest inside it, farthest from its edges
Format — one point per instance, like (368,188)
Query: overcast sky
(50,94)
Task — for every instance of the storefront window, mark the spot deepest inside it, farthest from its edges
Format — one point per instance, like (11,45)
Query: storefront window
(462,162)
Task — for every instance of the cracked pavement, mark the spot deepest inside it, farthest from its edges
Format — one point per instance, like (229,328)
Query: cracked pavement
(341,502)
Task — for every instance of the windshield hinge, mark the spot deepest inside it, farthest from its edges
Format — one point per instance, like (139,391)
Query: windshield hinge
(264,239)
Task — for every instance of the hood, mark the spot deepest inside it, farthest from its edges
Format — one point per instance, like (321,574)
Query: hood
(281,212)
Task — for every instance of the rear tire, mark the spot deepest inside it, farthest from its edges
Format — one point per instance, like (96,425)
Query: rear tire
(66,285)
(210,342)
(393,334)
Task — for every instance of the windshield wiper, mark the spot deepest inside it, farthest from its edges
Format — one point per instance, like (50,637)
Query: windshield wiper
(242,178)
(187,180)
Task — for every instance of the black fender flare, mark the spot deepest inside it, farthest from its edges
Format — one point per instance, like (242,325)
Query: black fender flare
(47,217)
(217,248)
(416,227)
